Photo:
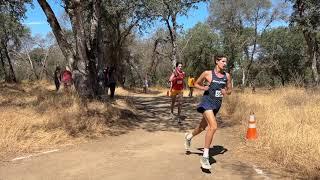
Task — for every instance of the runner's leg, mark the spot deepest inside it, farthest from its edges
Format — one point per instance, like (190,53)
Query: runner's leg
(212,127)
(173,101)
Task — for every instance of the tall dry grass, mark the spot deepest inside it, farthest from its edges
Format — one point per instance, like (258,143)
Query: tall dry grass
(288,123)
(33,117)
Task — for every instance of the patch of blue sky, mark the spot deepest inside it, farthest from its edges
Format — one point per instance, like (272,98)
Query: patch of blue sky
(37,21)
(194,16)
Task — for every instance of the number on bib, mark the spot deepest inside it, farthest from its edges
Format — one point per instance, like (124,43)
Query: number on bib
(218,93)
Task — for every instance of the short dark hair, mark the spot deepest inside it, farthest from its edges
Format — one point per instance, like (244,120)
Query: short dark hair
(218,57)
(177,64)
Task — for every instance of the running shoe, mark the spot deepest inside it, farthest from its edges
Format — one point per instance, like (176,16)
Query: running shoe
(205,164)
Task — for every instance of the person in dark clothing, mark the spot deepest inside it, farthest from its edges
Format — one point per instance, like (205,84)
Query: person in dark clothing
(106,79)
(101,82)
(145,84)
(112,81)
(57,78)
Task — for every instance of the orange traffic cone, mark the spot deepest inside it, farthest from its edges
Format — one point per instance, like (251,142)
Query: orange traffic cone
(252,129)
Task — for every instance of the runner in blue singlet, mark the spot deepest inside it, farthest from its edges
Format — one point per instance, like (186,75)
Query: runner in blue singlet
(220,85)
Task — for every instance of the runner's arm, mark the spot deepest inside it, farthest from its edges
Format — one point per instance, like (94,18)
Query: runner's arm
(172,77)
(199,82)
(228,89)
(170,80)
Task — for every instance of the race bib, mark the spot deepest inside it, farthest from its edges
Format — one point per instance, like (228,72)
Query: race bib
(218,94)
(179,82)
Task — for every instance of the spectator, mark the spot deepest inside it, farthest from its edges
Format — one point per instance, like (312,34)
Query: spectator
(191,85)
(106,79)
(112,81)
(145,85)
(101,82)
(57,77)
(67,78)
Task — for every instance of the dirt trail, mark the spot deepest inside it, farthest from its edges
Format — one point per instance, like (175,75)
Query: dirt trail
(151,148)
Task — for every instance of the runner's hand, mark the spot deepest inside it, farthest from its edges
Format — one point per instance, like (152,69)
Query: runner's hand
(205,88)
(223,92)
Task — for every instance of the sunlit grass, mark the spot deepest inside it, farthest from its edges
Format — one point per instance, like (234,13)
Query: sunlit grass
(288,125)
(33,116)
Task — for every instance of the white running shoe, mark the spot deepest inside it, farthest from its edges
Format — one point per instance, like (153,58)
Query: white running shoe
(187,143)
(205,164)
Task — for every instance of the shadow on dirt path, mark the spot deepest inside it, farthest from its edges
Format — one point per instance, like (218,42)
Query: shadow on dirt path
(150,146)
(153,115)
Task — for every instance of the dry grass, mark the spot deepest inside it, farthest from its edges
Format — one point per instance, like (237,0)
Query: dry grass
(33,117)
(288,126)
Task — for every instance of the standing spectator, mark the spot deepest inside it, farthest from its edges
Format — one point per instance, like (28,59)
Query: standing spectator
(106,79)
(100,82)
(57,77)
(67,78)
(253,86)
(145,84)
(190,85)
(112,81)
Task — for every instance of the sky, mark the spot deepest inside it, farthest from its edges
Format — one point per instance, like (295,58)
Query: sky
(37,21)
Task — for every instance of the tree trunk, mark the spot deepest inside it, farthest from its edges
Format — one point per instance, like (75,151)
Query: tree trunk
(312,43)
(12,76)
(75,10)
(85,53)
(3,65)
(254,48)
(151,72)
(312,52)
(135,69)
(116,60)
(83,58)
(65,46)
(43,63)
(31,65)
(243,77)
(97,34)
(173,38)
(153,57)
(314,67)
(243,66)
(282,80)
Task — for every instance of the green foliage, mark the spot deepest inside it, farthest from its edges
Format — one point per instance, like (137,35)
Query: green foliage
(240,28)
(11,14)
(11,30)
(306,14)
(240,24)
(306,17)
(282,54)
(168,8)
(198,46)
